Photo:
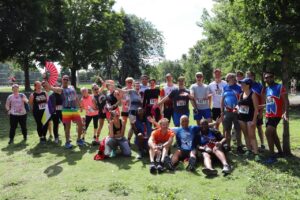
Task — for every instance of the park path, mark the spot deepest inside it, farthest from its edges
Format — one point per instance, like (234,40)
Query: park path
(294,99)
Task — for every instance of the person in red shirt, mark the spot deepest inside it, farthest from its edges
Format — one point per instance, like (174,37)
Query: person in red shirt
(276,106)
(159,143)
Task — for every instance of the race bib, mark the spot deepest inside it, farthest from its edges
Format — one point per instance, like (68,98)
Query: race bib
(153,101)
(71,98)
(180,103)
(58,107)
(243,109)
(42,106)
(201,101)
(218,92)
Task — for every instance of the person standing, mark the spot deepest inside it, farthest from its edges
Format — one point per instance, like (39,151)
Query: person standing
(276,106)
(70,111)
(17,112)
(216,88)
(200,92)
(38,102)
(168,87)
(144,85)
(150,101)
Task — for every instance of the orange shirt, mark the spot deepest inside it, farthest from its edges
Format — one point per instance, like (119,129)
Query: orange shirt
(159,137)
(87,105)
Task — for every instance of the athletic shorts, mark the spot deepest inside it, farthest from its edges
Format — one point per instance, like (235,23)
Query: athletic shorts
(229,119)
(216,112)
(184,154)
(176,117)
(202,114)
(272,121)
(70,115)
(124,114)
(132,116)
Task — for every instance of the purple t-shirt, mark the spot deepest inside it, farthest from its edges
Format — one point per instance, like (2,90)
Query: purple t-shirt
(15,104)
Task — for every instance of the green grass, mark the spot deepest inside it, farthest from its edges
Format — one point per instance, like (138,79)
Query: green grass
(32,171)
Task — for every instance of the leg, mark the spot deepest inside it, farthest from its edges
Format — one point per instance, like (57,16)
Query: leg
(22,121)
(95,123)
(260,134)
(244,129)
(55,121)
(13,126)
(79,129)
(227,124)
(101,123)
(252,137)
(50,129)
(237,129)
(207,160)
(124,146)
(176,156)
(277,141)
(88,120)
(270,131)
(67,131)
(220,155)
(110,145)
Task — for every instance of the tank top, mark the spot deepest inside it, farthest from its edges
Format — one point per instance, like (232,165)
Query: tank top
(111,99)
(39,101)
(115,129)
(100,101)
(246,107)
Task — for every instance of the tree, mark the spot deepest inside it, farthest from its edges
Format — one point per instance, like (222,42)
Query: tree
(173,67)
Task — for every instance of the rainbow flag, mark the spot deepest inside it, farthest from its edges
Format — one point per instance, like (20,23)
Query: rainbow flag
(49,110)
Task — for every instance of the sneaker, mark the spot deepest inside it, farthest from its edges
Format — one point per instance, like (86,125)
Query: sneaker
(112,154)
(226,169)
(257,158)
(56,140)
(80,142)
(270,160)
(159,168)
(152,168)
(95,142)
(42,140)
(248,153)
(50,138)
(226,148)
(279,155)
(11,141)
(168,163)
(139,156)
(25,138)
(68,145)
(262,147)
(209,172)
(240,150)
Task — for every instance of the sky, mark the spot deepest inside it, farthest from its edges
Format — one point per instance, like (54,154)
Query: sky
(176,19)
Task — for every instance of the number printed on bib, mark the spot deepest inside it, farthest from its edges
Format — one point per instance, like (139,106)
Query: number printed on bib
(180,103)
(42,106)
(201,101)
(153,101)
(244,109)
(59,107)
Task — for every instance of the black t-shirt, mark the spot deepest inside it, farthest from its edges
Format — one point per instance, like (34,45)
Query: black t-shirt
(151,97)
(100,101)
(39,102)
(180,101)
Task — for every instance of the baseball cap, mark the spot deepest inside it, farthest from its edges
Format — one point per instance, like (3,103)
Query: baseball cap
(247,81)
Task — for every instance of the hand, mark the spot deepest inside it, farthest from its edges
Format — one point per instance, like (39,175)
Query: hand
(207,149)
(220,119)
(284,116)
(252,123)
(218,144)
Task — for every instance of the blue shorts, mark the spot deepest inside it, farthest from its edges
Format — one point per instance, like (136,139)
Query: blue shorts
(202,114)
(176,117)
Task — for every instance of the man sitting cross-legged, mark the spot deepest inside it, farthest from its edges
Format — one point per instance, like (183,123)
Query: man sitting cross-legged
(210,142)
(159,143)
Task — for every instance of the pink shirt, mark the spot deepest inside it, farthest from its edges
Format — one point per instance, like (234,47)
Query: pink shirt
(15,104)
(87,105)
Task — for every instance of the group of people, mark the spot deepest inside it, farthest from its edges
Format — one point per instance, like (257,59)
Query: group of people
(238,103)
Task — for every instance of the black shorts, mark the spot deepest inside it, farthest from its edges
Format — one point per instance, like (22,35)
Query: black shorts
(101,115)
(272,121)
(184,154)
(124,114)
(216,112)
(168,112)
(259,122)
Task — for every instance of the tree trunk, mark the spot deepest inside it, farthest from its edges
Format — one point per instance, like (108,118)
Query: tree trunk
(26,74)
(285,79)
(73,76)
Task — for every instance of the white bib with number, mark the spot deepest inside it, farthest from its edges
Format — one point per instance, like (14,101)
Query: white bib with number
(244,109)
(59,107)
(153,101)
(201,101)
(180,103)
(42,106)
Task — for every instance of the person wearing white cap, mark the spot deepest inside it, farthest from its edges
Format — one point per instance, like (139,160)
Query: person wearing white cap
(17,112)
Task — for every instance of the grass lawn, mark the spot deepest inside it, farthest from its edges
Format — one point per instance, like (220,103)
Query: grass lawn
(33,171)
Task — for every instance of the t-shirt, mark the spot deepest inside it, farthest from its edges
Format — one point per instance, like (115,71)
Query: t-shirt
(159,138)
(101,102)
(274,102)
(142,90)
(151,97)
(231,95)
(201,93)
(16,104)
(186,137)
(69,97)
(212,136)
(87,104)
(180,100)
(216,90)
(258,89)
(135,100)
(165,91)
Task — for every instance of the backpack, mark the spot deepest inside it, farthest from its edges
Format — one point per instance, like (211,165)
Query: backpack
(26,105)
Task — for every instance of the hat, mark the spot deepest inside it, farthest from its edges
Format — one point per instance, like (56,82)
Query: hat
(15,85)
(247,81)
(168,75)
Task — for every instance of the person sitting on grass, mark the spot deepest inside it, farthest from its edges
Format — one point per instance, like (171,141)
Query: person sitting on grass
(210,142)
(186,143)
(116,136)
(160,143)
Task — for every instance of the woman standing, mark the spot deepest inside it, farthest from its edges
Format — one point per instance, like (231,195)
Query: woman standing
(17,112)
(248,110)
(38,102)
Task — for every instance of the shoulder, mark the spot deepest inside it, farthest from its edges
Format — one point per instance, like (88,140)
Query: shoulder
(212,84)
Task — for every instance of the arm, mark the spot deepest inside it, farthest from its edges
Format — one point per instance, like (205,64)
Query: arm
(168,143)
(151,141)
(286,102)
(255,104)
(163,100)
(7,104)
(31,100)
(110,128)
(103,86)
(152,120)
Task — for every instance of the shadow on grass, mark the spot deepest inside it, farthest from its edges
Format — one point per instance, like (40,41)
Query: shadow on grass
(12,148)
(121,162)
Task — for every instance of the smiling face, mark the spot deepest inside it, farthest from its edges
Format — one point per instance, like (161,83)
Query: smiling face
(184,121)
(37,85)
(269,78)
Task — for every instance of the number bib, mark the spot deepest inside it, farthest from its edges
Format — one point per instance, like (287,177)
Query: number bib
(201,101)
(59,107)
(153,101)
(180,103)
(42,106)
(218,92)
(244,109)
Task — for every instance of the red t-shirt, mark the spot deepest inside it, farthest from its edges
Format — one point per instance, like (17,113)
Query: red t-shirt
(160,138)
(274,102)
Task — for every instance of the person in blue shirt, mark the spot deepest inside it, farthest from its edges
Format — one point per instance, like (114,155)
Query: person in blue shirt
(210,142)
(229,114)
(186,143)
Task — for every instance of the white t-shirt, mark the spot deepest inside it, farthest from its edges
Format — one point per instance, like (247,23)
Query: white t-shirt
(216,90)
(201,93)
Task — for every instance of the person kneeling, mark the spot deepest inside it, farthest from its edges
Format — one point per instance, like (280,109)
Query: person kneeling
(159,143)
(185,139)
(116,137)
(210,143)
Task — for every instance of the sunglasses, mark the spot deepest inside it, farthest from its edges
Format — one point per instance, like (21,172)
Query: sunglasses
(199,76)
(266,77)
(65,79)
